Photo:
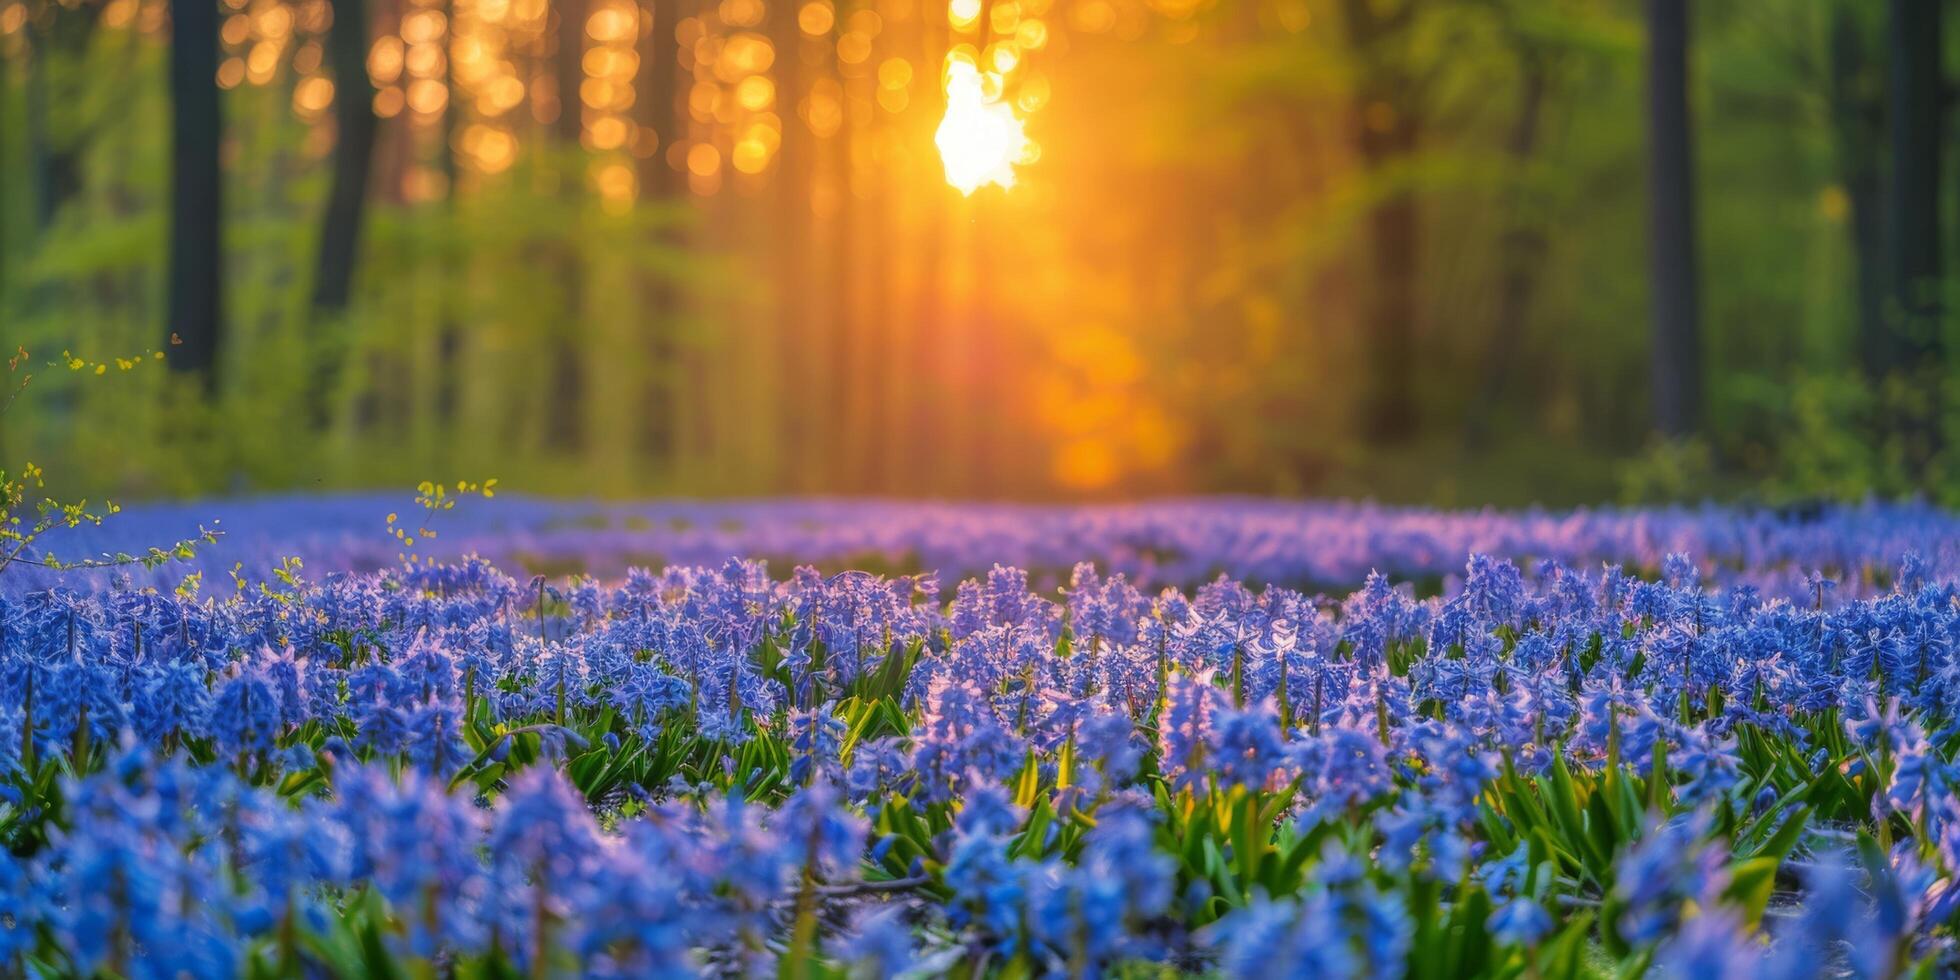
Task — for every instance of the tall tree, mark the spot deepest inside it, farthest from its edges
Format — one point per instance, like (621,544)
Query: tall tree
(1674,306)
(794,162)
(54,32)
(1857,127)
(449,333)
(1912,208)
(196,307)
(1385,108)
(564,412)
(1522,243)
(658,90)
(353,156)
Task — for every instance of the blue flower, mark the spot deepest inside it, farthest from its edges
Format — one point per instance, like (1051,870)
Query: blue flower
(245,715)
(1712,946)
(1520,921)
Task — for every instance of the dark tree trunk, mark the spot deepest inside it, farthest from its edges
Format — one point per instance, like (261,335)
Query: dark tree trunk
(57,172)
(565,412)
(654,111)
(196,209)
(1913,201)
(353,156)
(40,155)
(1857,122)
(1674,306)
(1394,232)
(449,333)
(801,430)
(1388,131)
(1522,249)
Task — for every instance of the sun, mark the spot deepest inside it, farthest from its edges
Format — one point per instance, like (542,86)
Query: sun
(980,138)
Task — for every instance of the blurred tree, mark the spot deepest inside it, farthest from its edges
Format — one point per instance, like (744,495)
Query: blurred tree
(449,332)
(1857,122)
(353,154)
(658,89)
(1386,110)
(1248,239)
(1675,299)
(55,32)
(565,404)
(197,261)
(791,225)
(1523,242)
(1913,94)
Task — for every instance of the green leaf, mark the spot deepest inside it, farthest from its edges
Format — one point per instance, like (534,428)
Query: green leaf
(1751,883)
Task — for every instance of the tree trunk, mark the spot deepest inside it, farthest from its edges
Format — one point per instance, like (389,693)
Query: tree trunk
(564,412)
(40,156)
(1856,121)
(1913,201)
(1394,232)
(801,430)
(57,170)
(196,210)
(353,155)
(449,333)
(1674,308)
(1522,249)
(1387,135)
(654,111)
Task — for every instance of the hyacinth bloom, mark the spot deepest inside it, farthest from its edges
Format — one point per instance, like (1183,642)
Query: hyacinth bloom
(706,768)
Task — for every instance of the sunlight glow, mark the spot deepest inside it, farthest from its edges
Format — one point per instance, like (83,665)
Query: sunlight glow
(980,139)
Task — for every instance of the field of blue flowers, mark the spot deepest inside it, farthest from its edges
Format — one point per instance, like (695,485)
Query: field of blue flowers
(1210,737)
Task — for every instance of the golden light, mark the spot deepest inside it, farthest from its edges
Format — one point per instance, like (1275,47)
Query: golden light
(422,27)
(387,103)
(312,96)
(1032,34)
(963,14)
(980,138)
(816,18)
(756,93)
(750,156)
(853,48)
(617,187)
(424,59)
(1005,17)
(895,73)
(427,96)
(609,133)
(384,61)
(273,23)
(261,62)
(703,160)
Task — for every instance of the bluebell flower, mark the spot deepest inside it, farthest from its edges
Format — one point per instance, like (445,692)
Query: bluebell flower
(245,715)
(1712,946)
(435,741)
(876,945)
(172,698)
(1520,921)
(989,888)
(818,824)
(816,738)
(1672,865)
(1194,704)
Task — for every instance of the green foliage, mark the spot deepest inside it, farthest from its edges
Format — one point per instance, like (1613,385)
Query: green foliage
(1819,438)
(23,525)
